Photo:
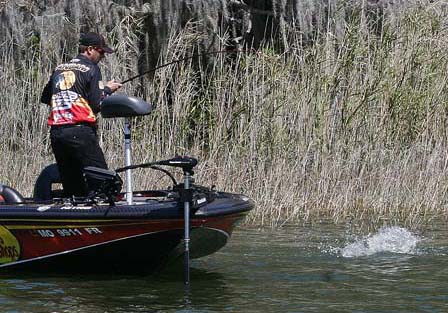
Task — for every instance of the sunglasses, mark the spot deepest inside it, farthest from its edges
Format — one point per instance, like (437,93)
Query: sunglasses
(100,50)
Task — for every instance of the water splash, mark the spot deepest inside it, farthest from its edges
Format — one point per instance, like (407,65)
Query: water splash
(388,239)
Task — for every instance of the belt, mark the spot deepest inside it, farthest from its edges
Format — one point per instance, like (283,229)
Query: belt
(73,125)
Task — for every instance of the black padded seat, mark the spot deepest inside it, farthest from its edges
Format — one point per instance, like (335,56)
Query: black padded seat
(121,105)
(10,195)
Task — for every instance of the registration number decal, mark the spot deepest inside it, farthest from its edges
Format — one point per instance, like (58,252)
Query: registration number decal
(68,232)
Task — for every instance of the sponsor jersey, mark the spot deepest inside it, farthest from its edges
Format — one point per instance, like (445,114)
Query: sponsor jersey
(74,92)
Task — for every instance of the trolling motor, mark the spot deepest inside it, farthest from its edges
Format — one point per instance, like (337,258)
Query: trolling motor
(128,107)
(186,196)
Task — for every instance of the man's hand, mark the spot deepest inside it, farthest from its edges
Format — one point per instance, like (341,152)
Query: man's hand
(113,85)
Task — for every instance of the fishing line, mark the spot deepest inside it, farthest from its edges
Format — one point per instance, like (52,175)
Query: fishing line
(180,60)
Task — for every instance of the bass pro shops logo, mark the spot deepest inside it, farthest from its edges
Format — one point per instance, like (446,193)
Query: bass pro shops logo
(9,247)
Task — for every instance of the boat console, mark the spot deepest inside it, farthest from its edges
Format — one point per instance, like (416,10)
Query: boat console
(106,183)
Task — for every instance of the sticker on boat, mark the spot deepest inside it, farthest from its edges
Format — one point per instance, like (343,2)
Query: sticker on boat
(44,208)
(76,207)
(9,247)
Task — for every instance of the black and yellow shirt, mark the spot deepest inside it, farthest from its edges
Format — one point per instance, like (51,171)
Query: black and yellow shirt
(74,92)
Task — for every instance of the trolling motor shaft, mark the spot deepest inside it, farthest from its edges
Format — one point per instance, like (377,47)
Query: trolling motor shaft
(187,200)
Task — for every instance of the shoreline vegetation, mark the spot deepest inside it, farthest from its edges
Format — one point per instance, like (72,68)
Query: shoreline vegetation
(350,124)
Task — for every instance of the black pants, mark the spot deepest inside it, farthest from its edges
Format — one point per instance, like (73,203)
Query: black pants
(75,147)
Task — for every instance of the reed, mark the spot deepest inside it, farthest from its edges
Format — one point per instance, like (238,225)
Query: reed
(348,124)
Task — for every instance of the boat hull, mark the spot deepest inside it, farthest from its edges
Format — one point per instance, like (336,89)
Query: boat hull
(143,242)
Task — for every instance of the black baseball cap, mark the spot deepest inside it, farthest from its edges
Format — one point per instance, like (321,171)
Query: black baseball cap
(95,40)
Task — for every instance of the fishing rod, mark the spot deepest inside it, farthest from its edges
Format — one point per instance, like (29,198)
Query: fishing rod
(177,61)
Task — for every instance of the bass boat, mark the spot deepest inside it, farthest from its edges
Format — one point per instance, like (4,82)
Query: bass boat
(109,231)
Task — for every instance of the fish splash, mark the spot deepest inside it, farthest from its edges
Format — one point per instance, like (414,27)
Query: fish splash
(388,239)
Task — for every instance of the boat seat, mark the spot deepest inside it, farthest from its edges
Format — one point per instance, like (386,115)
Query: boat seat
(10,195)
(121,105)
(43,186)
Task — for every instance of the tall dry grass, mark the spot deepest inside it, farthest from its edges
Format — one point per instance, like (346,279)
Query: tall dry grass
(351,124)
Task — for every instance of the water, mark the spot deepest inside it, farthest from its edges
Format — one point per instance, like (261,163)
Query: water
(313,268)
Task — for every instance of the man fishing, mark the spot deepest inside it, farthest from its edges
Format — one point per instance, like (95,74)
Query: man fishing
(74,93)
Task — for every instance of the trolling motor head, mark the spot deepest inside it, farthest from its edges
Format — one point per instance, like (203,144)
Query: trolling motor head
(185,163)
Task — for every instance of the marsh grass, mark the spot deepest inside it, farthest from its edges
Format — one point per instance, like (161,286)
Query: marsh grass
(349,125)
